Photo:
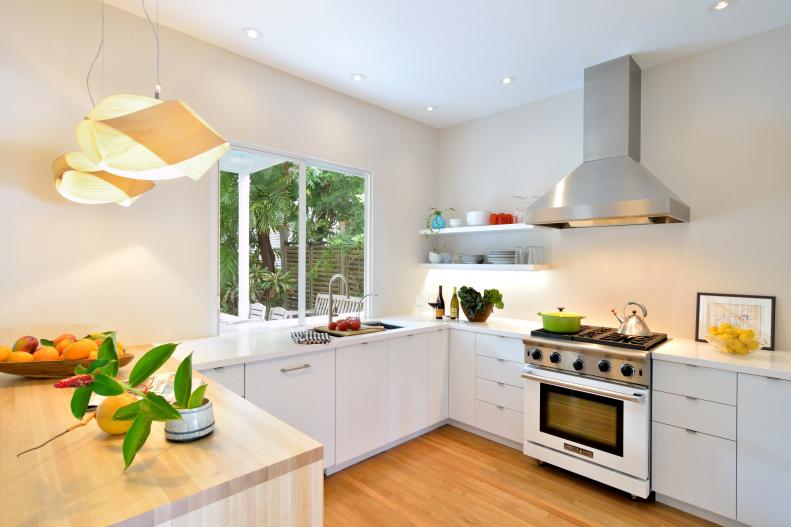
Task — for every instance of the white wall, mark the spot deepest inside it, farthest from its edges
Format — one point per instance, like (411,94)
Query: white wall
(146,270)
(716,129)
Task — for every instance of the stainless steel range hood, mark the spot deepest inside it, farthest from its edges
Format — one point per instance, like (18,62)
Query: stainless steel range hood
(610,187)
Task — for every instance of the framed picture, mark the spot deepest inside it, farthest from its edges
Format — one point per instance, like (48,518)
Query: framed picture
(742,311)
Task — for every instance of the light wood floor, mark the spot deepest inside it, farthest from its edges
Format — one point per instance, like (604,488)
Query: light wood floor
(452,477)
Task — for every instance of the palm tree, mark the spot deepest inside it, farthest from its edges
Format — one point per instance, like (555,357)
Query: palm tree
(229,242)
(273,204)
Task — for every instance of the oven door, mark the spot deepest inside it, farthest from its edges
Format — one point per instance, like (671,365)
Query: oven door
(600,422)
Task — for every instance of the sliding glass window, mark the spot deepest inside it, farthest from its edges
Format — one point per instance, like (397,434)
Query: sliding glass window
(267,274)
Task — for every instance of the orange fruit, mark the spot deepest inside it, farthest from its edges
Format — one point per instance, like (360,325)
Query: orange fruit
(46,353)
(106,410)
(65,336)
(20,356)
(63,344)
(79,350)
(5,351)
(93,354)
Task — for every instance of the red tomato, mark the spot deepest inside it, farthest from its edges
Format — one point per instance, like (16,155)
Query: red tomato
(343,325)
(332,326)
(354,324)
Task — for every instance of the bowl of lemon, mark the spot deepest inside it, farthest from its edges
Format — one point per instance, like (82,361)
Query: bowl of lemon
(734,341)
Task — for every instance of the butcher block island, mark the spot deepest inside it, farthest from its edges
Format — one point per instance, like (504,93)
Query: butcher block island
(252,470)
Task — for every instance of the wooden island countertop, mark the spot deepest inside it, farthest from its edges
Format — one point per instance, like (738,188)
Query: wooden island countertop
(253,470)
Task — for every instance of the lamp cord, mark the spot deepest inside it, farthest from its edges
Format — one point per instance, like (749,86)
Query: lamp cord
(95,58)
(155,31)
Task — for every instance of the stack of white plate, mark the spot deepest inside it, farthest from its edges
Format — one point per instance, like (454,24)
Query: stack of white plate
(472,258)
(502,257)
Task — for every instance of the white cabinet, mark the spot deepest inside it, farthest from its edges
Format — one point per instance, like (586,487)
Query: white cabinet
(407,385)
(499,420)
(299,390)
(437,376)
(499,347)
(361,399)
(695,468)
(763,437)
(232,377)
(462,376)
(695,381)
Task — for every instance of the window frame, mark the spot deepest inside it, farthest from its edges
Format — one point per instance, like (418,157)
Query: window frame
(303,162)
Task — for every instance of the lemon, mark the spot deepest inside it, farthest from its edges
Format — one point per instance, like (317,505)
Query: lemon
(713,330)
(722,328)
(746,333)
(106,410)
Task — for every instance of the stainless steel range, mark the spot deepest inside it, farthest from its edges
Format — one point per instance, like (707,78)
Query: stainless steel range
(587,404)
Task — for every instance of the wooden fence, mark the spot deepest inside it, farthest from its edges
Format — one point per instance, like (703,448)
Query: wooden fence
(323,262)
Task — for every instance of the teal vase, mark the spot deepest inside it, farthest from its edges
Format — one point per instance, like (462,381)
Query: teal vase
(437,222)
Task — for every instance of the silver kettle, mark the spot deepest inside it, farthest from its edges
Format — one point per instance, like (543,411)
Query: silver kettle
(633,324)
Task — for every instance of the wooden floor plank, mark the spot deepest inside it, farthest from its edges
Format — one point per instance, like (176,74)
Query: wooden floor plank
(450,477)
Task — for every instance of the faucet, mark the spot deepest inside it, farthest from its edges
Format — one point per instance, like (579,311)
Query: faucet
(360,302)
(330,307)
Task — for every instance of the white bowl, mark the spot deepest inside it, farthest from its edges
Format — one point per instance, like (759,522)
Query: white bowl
(478,217)
(456,222)
(434,258)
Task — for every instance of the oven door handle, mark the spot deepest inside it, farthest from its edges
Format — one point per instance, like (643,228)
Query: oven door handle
(632,398)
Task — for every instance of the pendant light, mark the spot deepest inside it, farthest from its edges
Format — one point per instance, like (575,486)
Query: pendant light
(127,141)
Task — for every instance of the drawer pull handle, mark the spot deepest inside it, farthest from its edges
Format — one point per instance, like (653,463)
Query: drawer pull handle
(691,398)
(219,368)
(501,360)
(691,431)
(295,368)
(500,383)
(774,378)
(692,365)
(500,407)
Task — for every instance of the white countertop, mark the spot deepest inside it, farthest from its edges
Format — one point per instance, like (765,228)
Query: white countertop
(255,344)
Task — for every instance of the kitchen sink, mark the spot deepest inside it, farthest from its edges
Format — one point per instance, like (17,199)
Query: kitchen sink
(379,323)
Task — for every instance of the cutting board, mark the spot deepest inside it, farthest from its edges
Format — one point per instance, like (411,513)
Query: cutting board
(349,333)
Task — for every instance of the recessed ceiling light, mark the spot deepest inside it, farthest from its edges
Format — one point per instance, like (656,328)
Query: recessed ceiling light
(430,108)
(251,32)
(507,80)
(722,4)
(357,77)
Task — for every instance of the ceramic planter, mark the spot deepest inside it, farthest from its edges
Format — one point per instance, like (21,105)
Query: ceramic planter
(195,423)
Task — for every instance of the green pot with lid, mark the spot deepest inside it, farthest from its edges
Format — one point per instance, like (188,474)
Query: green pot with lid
(561,321)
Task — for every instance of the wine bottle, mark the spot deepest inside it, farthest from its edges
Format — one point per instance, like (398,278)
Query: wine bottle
(454,306)
(439,311)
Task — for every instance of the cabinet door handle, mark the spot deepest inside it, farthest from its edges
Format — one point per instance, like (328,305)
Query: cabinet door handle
(691,431)
(691,398)
(294,368)
(500,407)
(501,360)
(500,383)
(692,365)
(219,368)
(774,378)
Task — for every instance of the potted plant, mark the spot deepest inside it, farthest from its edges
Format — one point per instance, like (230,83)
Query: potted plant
(478,308)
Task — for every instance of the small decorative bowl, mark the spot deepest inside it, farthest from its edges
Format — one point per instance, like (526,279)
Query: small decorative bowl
(456,222)
(434,258)
(735,346)
(195,423)
(478,218)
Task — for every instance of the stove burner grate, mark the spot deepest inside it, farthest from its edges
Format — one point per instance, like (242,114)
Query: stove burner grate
(605,336)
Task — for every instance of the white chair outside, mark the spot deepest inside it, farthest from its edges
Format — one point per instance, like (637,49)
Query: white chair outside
(341,304)
(257,312)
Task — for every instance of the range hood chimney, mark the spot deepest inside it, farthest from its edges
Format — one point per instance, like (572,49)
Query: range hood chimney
(610,187)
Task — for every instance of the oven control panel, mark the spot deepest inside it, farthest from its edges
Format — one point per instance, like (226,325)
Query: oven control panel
(616,364)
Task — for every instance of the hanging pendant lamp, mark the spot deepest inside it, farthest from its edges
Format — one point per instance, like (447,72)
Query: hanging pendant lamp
(142,138)
(79,180)
(128,141)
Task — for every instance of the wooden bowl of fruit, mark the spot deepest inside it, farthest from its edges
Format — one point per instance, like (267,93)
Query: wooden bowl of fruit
(734,341)
(55,359)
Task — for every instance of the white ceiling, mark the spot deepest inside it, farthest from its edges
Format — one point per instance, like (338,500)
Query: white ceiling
(453,53)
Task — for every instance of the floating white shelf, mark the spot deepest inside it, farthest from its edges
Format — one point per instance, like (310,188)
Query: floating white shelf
(513,227)
(488,267)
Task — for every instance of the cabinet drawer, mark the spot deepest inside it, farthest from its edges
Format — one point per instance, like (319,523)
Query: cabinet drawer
(299,390)
(499,394)
(716,419)
(232,377)
(499,370)
(694,468)
(499,421)
(695,381)
(500,347)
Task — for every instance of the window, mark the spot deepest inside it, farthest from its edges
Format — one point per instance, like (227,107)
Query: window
(265,274)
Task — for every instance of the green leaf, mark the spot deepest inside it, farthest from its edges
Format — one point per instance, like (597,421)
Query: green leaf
(150,363)
(79,401)
(125,413)
(80,370)
(107,352)
(196,399)
(183,382)
(97,365)
(47,342)
(103,384)
(157,408)
(135,438)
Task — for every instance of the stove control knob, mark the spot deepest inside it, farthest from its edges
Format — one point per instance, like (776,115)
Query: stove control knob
(627,370)
(554,357)
(578,364)
(536,354)
(604,366)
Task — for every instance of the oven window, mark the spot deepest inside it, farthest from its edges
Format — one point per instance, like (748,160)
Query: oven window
(584,418)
